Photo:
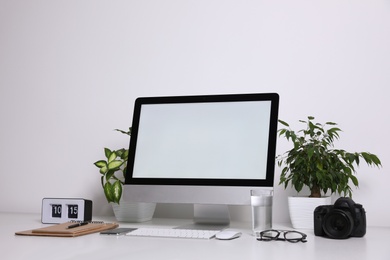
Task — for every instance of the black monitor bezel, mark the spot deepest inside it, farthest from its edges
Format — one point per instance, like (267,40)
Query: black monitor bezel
(267,182)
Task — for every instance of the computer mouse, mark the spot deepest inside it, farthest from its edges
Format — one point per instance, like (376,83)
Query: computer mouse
(227,235)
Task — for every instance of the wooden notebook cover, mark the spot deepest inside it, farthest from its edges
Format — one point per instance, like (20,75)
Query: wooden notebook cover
(61,230)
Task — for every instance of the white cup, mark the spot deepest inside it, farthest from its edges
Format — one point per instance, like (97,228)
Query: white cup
(261,204)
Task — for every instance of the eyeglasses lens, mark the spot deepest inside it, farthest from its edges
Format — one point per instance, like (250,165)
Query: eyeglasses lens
(269,235)
(294,236)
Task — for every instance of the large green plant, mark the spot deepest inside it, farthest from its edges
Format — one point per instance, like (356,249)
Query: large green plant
(314,162)
(113,171)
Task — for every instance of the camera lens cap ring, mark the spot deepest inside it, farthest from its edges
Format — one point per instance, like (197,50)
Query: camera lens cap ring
(338,224)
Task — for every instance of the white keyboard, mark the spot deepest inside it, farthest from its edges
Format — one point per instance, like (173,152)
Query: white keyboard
(173,233)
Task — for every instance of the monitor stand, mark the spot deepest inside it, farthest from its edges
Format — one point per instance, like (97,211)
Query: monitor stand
(209,217)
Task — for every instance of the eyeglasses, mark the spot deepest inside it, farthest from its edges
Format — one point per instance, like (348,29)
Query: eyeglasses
(290,236)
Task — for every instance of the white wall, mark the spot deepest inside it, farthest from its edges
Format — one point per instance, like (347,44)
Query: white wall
(70,71)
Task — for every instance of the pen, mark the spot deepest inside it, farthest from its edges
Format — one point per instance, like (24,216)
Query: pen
(77,225)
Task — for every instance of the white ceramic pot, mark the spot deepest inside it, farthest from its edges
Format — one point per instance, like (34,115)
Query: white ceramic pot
(302,210)
(133,212)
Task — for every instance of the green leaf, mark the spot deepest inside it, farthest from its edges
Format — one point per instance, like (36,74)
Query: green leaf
(376,160)
(354,180)
(319,167)
(298,186)
(283,123)
(125,155)
(310,152)
(111,157)
(100,163)
(122,153)
(114,165)
(108,191)
(103,170)
(109,175)
(371,159)
(117,191)
(124,172)
(107,152)
(282,131)
(124,132)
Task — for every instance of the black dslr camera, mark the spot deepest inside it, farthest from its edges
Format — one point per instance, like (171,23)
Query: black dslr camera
(342,220)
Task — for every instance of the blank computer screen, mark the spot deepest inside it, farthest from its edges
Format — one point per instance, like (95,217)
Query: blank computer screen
(210,140)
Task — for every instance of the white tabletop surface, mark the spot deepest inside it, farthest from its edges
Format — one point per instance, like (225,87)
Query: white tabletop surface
(374,245)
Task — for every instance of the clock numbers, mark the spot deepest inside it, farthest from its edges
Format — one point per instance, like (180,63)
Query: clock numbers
(56,210)
(73,211)
(60,210)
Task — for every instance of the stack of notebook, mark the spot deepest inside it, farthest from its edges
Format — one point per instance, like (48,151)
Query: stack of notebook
(69,229)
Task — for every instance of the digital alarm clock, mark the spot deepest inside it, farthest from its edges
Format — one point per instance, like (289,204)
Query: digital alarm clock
(57,210)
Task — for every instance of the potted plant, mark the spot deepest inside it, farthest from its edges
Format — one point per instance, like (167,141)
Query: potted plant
(315,163)
(113,174)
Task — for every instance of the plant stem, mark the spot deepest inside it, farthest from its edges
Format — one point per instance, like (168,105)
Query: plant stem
(315,191)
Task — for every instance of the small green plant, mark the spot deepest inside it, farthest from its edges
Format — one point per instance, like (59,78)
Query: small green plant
(113,171)
(313,161)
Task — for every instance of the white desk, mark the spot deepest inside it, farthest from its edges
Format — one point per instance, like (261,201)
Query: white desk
(375,245)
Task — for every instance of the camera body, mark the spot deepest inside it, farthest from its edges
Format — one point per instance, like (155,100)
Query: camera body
(339,221)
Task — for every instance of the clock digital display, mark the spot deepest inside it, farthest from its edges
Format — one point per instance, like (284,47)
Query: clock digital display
(73,211)
(56,210)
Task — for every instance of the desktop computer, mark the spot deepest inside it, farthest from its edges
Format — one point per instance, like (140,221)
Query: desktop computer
(208,150)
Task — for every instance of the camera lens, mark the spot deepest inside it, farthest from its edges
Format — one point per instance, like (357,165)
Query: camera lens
(338,224)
